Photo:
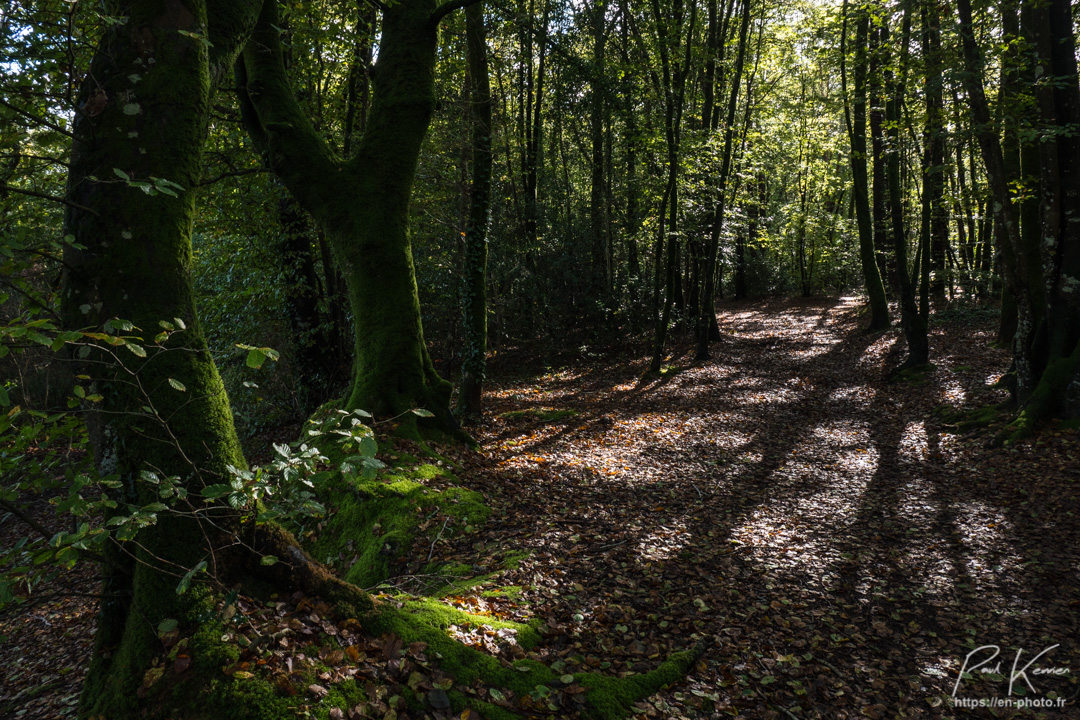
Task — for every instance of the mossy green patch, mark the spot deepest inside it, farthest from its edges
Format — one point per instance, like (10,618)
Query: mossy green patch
(967,420)
(611,698)
(510,591)
(435,614)
(916,375)
(374,522)
(542,414)
(429,621)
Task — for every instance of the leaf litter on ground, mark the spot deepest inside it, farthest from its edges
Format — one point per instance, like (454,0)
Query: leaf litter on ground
(840,549)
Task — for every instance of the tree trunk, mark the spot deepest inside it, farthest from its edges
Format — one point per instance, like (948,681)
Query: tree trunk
(474,280)
(363,202)
(534,132)
(877,143)
(143,115)
(913,322)
(934,167)
(598,194)
(706,318)
(675,72)
(856,123)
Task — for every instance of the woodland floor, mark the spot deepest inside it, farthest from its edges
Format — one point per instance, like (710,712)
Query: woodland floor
(839,548)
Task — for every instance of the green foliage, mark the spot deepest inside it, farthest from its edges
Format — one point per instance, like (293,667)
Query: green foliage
(241,308)
(48,454)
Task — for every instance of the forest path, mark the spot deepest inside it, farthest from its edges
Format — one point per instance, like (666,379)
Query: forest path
(839,550)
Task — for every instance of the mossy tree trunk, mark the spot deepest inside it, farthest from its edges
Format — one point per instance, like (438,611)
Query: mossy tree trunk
(363,202)
(143,116)
(474,281)
(1048,365)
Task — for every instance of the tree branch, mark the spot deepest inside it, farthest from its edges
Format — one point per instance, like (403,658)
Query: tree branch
(35,118)
(447,8)
(278,127)
(233,173)
(46,196)
(44,531)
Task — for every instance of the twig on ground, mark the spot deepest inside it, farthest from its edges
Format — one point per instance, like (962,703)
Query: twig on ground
(431,551)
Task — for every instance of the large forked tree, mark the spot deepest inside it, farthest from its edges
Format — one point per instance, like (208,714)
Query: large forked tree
(362,202)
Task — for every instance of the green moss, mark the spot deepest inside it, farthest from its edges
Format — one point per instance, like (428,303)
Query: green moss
(609,697)
(374,522)
(916,375)
(438,615)
(967,420)
(346,694)
(428,621)
(612,698)
(541,414)
(514,558)
(1045,398)
(251,699)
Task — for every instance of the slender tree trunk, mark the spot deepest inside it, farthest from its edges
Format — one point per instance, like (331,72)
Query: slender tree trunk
(913,322)
(877,142)
(937,222)
(855,118)
(474,273)
(707,317)
(1014,259)
(598,193)
(533,146)
(675,71)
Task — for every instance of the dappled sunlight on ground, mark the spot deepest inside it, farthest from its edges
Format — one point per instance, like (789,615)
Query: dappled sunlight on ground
(852,393)
(664,542)
(953,393)
(840,545)
(913,446)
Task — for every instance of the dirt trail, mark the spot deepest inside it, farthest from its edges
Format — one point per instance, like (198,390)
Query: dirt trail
(841,551)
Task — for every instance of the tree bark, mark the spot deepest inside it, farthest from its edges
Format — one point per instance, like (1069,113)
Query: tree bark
(598,194)
(675,72)
(913,322)
(707,315)
(143,116)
